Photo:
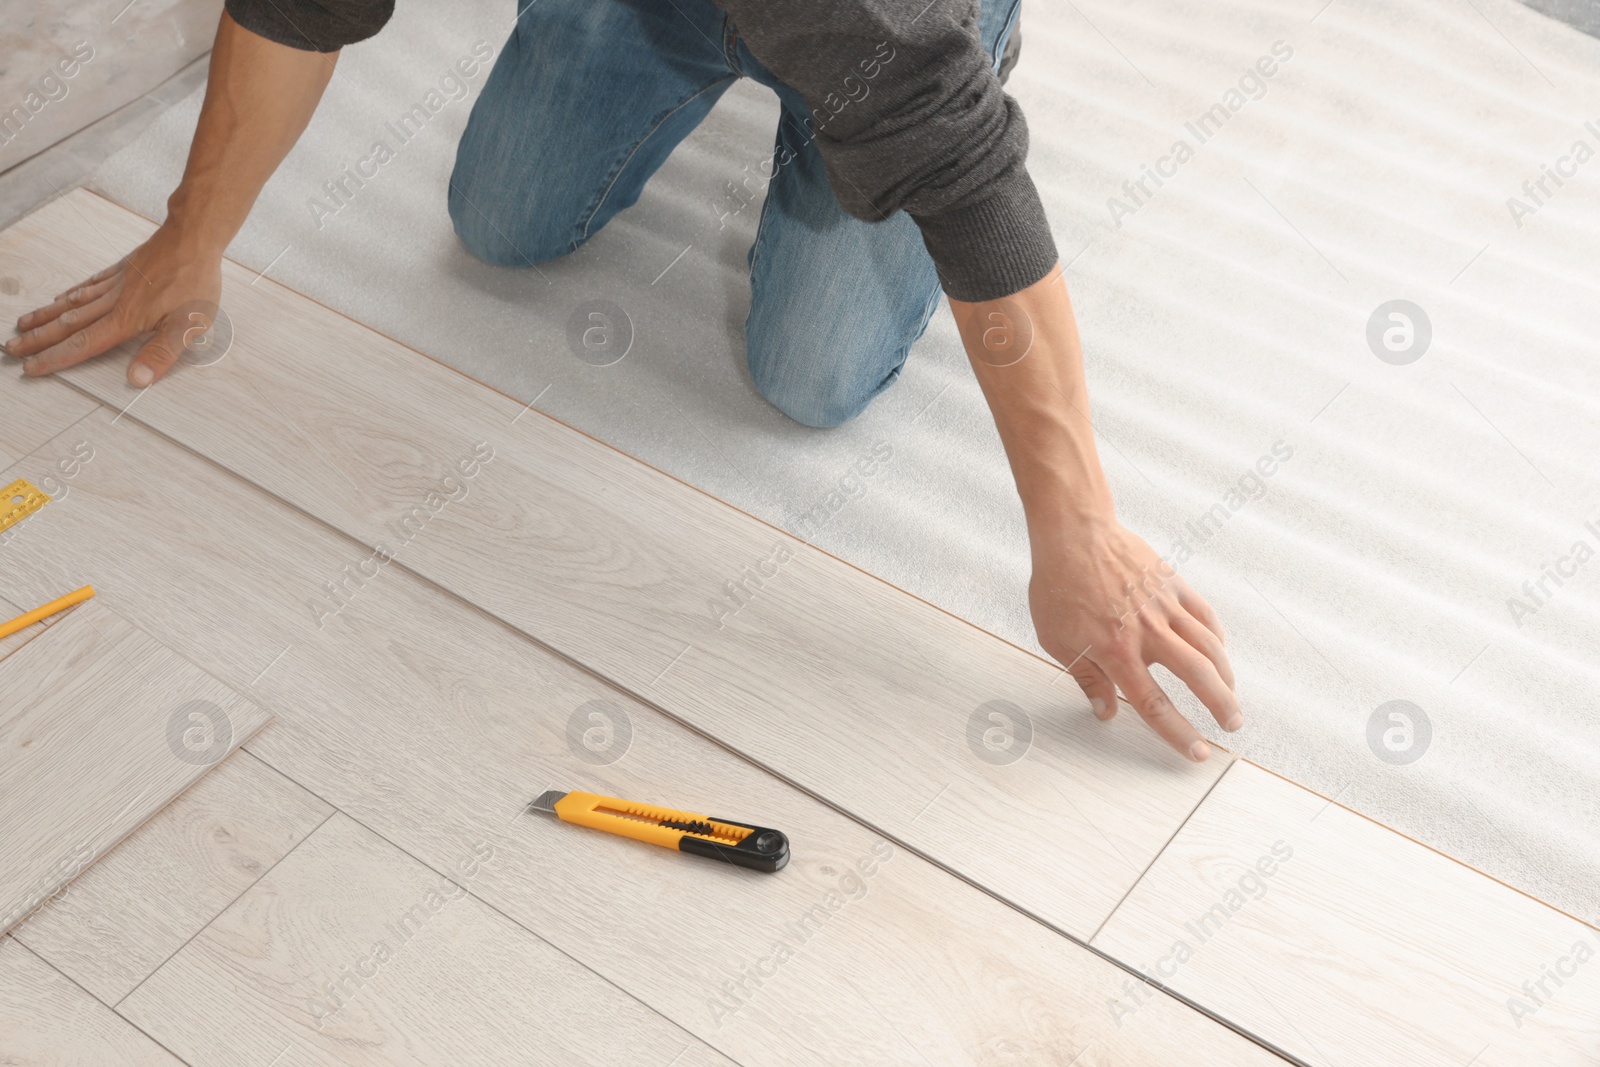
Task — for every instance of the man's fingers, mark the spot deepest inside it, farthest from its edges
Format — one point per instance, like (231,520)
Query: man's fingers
(1202,638)
(1154,708)
(102,334)
(73,298)
(1096,685)
(97,277)
(1200,675)
(61,326)
(1196,605)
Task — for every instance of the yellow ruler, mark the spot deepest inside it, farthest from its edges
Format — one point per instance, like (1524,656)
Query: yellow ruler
(19,500)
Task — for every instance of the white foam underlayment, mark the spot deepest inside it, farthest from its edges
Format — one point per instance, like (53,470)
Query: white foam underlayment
(1226,314)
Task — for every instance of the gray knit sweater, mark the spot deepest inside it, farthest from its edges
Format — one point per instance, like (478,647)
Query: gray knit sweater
(937,136)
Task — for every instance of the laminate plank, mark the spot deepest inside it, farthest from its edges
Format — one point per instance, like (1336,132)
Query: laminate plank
(1352,944)
(36,409)
(432,724)
(34,413)
(46,1021)
(37,412)
(119,920)
(836,681)
(103,726)
(10,644)
(349,951)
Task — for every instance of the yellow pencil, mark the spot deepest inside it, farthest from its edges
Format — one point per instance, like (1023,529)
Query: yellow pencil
(21,621)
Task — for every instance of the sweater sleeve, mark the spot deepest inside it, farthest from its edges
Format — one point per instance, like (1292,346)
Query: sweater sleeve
(908,115)
(312,25)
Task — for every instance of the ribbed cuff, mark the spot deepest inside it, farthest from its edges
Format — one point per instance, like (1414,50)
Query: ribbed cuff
(994,247)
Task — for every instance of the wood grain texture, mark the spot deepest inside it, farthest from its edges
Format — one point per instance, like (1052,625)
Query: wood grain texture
(351,952)
(433,724)
(10,644)
(36,409)
(1352,944)
(36,414)
(95,738)
(46,1021)
(831,678)
(119,920)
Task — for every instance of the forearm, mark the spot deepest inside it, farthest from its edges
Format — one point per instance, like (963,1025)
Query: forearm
(259,97)
(1103,603)
(1028,359)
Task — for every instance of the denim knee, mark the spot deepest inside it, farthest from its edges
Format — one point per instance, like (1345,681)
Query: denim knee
(496,228)
(803,378)
(820,409)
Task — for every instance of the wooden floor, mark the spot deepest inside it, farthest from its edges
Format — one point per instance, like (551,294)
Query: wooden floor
(102,727)
(428,585)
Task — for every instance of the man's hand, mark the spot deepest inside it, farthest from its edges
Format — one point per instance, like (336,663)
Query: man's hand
(1103,603)
(1107,607)
(169,285)
(259,97)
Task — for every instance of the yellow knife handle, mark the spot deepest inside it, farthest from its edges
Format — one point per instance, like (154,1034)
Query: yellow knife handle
(757,847)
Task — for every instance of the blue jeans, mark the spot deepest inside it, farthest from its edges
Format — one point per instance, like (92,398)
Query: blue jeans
(587,100)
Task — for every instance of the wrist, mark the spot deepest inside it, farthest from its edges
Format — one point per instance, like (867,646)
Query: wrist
(195,223)
(1076,507)
(1060,480)
(1065,498)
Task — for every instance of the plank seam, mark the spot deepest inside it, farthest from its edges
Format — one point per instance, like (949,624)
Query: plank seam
(1162,850)
(111,1008)
(225,907)
(87,610)
(20,460)
(636,998)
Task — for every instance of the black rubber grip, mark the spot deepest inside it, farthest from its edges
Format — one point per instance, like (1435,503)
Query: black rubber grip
(763,849)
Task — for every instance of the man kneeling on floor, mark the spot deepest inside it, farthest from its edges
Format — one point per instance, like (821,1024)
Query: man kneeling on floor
(899,173)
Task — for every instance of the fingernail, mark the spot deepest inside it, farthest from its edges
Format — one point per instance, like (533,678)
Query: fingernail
(22,323)
(1234,723)
(1099,706)
(141,375)
(1199,751)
